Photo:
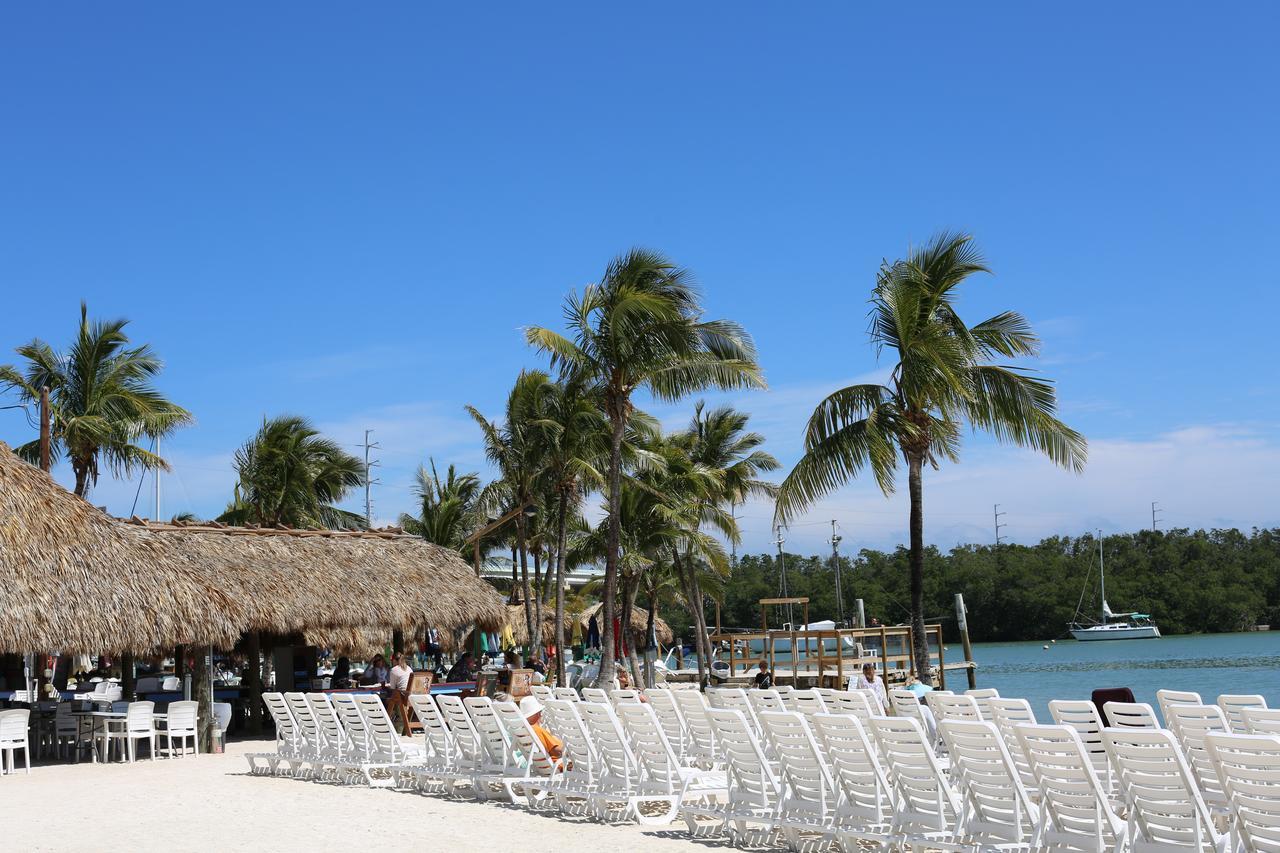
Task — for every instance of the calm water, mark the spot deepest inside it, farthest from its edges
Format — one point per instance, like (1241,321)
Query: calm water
(1209,664)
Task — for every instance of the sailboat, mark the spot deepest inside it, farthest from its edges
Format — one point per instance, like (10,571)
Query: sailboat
(1114,626)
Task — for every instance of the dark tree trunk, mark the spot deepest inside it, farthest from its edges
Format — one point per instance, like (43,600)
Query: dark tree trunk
(561,526)
(200,693)
(535,639)
(253,679)
(397,641)
(82,477)
(607,640)
(691,594)
(524,577)
(126,676)
(628,607)
(920,641)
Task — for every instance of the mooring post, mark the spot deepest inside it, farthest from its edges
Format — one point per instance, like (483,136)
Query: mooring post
(964,640)
(862,614)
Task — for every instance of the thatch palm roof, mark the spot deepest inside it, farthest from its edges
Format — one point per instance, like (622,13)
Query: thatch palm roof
(639,623)
(73,579)
(293,580)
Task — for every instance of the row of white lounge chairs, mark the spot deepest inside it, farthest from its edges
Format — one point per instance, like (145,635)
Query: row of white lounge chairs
(816,768)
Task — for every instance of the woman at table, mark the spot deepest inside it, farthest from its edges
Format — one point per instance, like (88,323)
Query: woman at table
(376,673)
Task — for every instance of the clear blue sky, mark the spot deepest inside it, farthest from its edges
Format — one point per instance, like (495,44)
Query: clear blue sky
(350,212)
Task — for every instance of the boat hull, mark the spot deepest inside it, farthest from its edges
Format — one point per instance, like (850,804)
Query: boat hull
(1116,632)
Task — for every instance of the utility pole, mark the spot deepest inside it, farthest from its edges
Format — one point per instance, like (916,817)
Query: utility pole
(156,472)
(368,502)
(1154,509)
(997,514)
(782,565)
(733,543)
(835,561)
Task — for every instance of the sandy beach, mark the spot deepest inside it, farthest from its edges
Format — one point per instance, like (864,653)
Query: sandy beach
(210,803)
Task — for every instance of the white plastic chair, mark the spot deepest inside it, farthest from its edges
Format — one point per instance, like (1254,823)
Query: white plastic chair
(531,772)
(762,702)
(1167,698)
(579,781)
(310,741)
(541,692)
(138,724)
(1075,806)
(1233,706)
(287,741)
(618,777)
(664,708)
(983,696)
(1007,715)
(948,706)
(567,694)
(809,796)
(594,694)
(499,762)
(926,806)
(1130,715)
(1165,809)
(441,763)
(701,748)
(997,811)
(735,699)
(1249,769)
(748,816)
(619,695)
(14,737)
(663,781)
(1083,718)
(1189,725)
(859,703)
(1261,721)
(805,702)
(473,756)
(864,809)
(180,726)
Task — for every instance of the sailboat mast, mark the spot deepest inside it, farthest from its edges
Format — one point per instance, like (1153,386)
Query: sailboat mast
(1102,578)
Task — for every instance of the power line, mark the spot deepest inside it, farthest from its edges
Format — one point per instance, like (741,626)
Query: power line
(368,482)
(835,560)
(1154,520)
(782,564)
(995,509)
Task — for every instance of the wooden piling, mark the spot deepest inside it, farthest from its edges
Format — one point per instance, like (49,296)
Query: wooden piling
(964,640)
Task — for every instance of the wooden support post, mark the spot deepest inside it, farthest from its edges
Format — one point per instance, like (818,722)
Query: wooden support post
(680,652)
(731,645)
(942,669)
(963,622)
(840,661)
(911,649)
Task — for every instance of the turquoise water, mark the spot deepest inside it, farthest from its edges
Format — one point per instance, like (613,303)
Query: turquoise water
(1209,664)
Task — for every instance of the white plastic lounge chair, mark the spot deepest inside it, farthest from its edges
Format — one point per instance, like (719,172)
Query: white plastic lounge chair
(1082,716)
(1189,725)
(288,743)
(859,703)
(568,694)
(531,772)
(664,781)
(500,761)
(997,812)
(1075,806)
(864,809)
(1165,809)
(1130,715)
(764,702)
(1166,698)
(663,703)
(701,749)
(983,696)
(926,806)
(735,699)
(1008,714)
(180,728)
(594,694)
(748,815)
(1233,707)
(1261,721)
(541,692)
(809,796)
(805,702)
(948,706)
(389,754)
(359,741)
(474,761)
(618,774)
(442,764)
(335,744)
(14,737)
(1249,769)
(578,781)
(620,695)
(310,740)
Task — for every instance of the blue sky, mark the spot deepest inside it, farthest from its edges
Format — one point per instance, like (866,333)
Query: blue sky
(349,213)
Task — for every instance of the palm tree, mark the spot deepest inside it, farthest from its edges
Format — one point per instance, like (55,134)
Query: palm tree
(101,400)
(515,447)
(448,509)
(641,327)
(289,474)
(718,443)
(943,377)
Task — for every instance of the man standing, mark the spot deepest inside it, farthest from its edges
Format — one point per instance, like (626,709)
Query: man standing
(398,691)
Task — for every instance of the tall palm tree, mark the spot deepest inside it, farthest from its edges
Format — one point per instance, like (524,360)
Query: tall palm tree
(101,400)
(290,474)
(641,327)
(717,441)
(448,509)
(943,378)
(515,446)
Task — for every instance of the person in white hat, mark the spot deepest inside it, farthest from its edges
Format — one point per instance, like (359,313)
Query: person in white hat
(531,709)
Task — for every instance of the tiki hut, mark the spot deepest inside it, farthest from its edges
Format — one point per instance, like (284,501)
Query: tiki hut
(293,580)
(76,580)
(639,622)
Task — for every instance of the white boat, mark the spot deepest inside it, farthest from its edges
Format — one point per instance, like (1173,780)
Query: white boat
(1114,626)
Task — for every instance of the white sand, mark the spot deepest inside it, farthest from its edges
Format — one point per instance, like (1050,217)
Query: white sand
(210,803)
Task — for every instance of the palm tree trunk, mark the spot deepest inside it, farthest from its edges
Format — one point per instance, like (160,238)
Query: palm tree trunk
(82,477)
(650,618)
(561,525)
(524,575)
(695,607)
(628,607)
(700,616)
(535,639)
(919,640)
(607,640)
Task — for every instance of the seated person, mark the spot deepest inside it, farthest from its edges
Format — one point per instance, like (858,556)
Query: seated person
(463,670)
(376,673)
(531,709)
(764,678)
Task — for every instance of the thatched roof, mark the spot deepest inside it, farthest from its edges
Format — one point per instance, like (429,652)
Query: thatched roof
(361,643)
(293,580)
(639,622)
(72,579)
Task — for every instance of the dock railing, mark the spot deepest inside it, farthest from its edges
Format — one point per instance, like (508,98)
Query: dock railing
(803,653)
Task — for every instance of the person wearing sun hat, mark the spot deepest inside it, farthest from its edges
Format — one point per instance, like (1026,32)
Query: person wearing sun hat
(531,710)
